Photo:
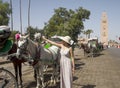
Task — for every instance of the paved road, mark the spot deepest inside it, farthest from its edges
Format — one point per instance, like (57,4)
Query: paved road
(114,52)
(98,72)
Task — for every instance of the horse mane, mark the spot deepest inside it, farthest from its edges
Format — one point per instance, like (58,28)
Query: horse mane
(13,49)
(32,48)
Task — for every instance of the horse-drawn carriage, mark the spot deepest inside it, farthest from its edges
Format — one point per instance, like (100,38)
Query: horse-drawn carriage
(43,56)
(38,54)
(7,79)
(92,47)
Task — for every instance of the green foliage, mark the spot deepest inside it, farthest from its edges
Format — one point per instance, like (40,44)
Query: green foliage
(32,31)
(88,32)
(66,22)
(12,36)
(5,11)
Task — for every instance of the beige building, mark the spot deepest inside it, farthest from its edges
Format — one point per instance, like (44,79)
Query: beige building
(104,29)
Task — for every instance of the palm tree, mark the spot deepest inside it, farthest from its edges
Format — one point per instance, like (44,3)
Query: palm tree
(84,32)
(88,32)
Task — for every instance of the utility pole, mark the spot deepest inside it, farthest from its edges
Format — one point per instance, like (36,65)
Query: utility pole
(11,15)
(20,18)
(29,13)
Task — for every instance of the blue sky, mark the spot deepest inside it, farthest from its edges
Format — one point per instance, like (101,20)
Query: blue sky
(42,11)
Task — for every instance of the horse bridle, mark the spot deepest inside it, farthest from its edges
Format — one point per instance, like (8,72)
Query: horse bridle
(26,54)
(23,49)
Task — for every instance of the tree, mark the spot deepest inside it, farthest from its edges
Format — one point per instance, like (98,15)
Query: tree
(67,22)
(12,36)
(88,32)
(32,31)
(5,12)
(85,33)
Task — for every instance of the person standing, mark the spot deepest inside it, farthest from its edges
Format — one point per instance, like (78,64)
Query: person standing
(66,61)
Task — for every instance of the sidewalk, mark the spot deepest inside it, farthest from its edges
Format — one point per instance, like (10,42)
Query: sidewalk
(97,72)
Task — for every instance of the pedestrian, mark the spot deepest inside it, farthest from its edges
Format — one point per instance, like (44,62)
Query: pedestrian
(66,61)
(17,37)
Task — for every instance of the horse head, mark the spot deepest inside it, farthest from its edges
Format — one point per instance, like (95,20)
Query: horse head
(21,44)
(25,46)
(37,36)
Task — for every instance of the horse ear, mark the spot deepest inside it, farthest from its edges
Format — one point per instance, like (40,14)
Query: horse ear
(26,36)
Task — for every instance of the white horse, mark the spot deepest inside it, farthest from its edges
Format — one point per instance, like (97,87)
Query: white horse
(43,57)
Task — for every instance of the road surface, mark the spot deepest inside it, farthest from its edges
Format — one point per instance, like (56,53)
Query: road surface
(99,72)
(114,52)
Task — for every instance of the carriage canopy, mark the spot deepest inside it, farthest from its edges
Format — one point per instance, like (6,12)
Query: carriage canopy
(5,44)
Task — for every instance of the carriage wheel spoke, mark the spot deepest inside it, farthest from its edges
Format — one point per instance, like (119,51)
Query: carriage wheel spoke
(7,79)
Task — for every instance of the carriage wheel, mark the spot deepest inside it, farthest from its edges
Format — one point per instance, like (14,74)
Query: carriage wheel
(7,79)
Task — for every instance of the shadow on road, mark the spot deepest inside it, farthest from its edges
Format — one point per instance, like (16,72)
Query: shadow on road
(78,64)
(84,86)
(88,86)
(31,85)
(75,78)
(46,78)
(77,59)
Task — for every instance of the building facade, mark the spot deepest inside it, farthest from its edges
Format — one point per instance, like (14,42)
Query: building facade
(104,29)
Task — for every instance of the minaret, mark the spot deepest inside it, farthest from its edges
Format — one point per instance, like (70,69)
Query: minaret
(104,29)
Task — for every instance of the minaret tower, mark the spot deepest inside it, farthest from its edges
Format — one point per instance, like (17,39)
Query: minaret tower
(104,29)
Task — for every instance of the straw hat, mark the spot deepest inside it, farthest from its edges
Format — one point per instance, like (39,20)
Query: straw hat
(66,39)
